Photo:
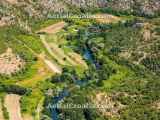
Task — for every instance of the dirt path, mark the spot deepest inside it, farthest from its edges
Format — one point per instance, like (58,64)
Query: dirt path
(12,103)
(78,59)
(52,66)
(1,112)
(39,109)
(140,59)
(52,28)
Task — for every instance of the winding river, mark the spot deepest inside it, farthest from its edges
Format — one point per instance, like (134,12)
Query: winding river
(64,93)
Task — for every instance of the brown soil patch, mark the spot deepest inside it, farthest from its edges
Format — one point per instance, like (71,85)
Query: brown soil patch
(146,35)
(7,20)
(12,1)
(2,23)
(12,103)
(55,68)
(107,18)
(10,63)
(156,105)
(53,28)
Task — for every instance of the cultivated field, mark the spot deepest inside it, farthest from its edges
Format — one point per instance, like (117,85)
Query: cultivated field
(52,43)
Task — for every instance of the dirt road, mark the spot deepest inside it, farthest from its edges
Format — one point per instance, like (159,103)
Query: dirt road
(1,112)
(52,66)
(12,103)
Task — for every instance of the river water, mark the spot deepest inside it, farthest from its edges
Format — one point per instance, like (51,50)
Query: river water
(64,93)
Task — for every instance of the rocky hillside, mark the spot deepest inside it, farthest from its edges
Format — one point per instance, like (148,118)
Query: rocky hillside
(25,12)
(140,7)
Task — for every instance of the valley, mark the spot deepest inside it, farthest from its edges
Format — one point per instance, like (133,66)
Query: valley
(111,60)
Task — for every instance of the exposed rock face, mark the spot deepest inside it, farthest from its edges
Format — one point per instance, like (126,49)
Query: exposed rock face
(22,9)
(10,63)
(147,7)
(52,5)
(87,3)
(108,106)
(7,20)
(121,4)
(142,7)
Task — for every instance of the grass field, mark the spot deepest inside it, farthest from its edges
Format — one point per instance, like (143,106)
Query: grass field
(42,73)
